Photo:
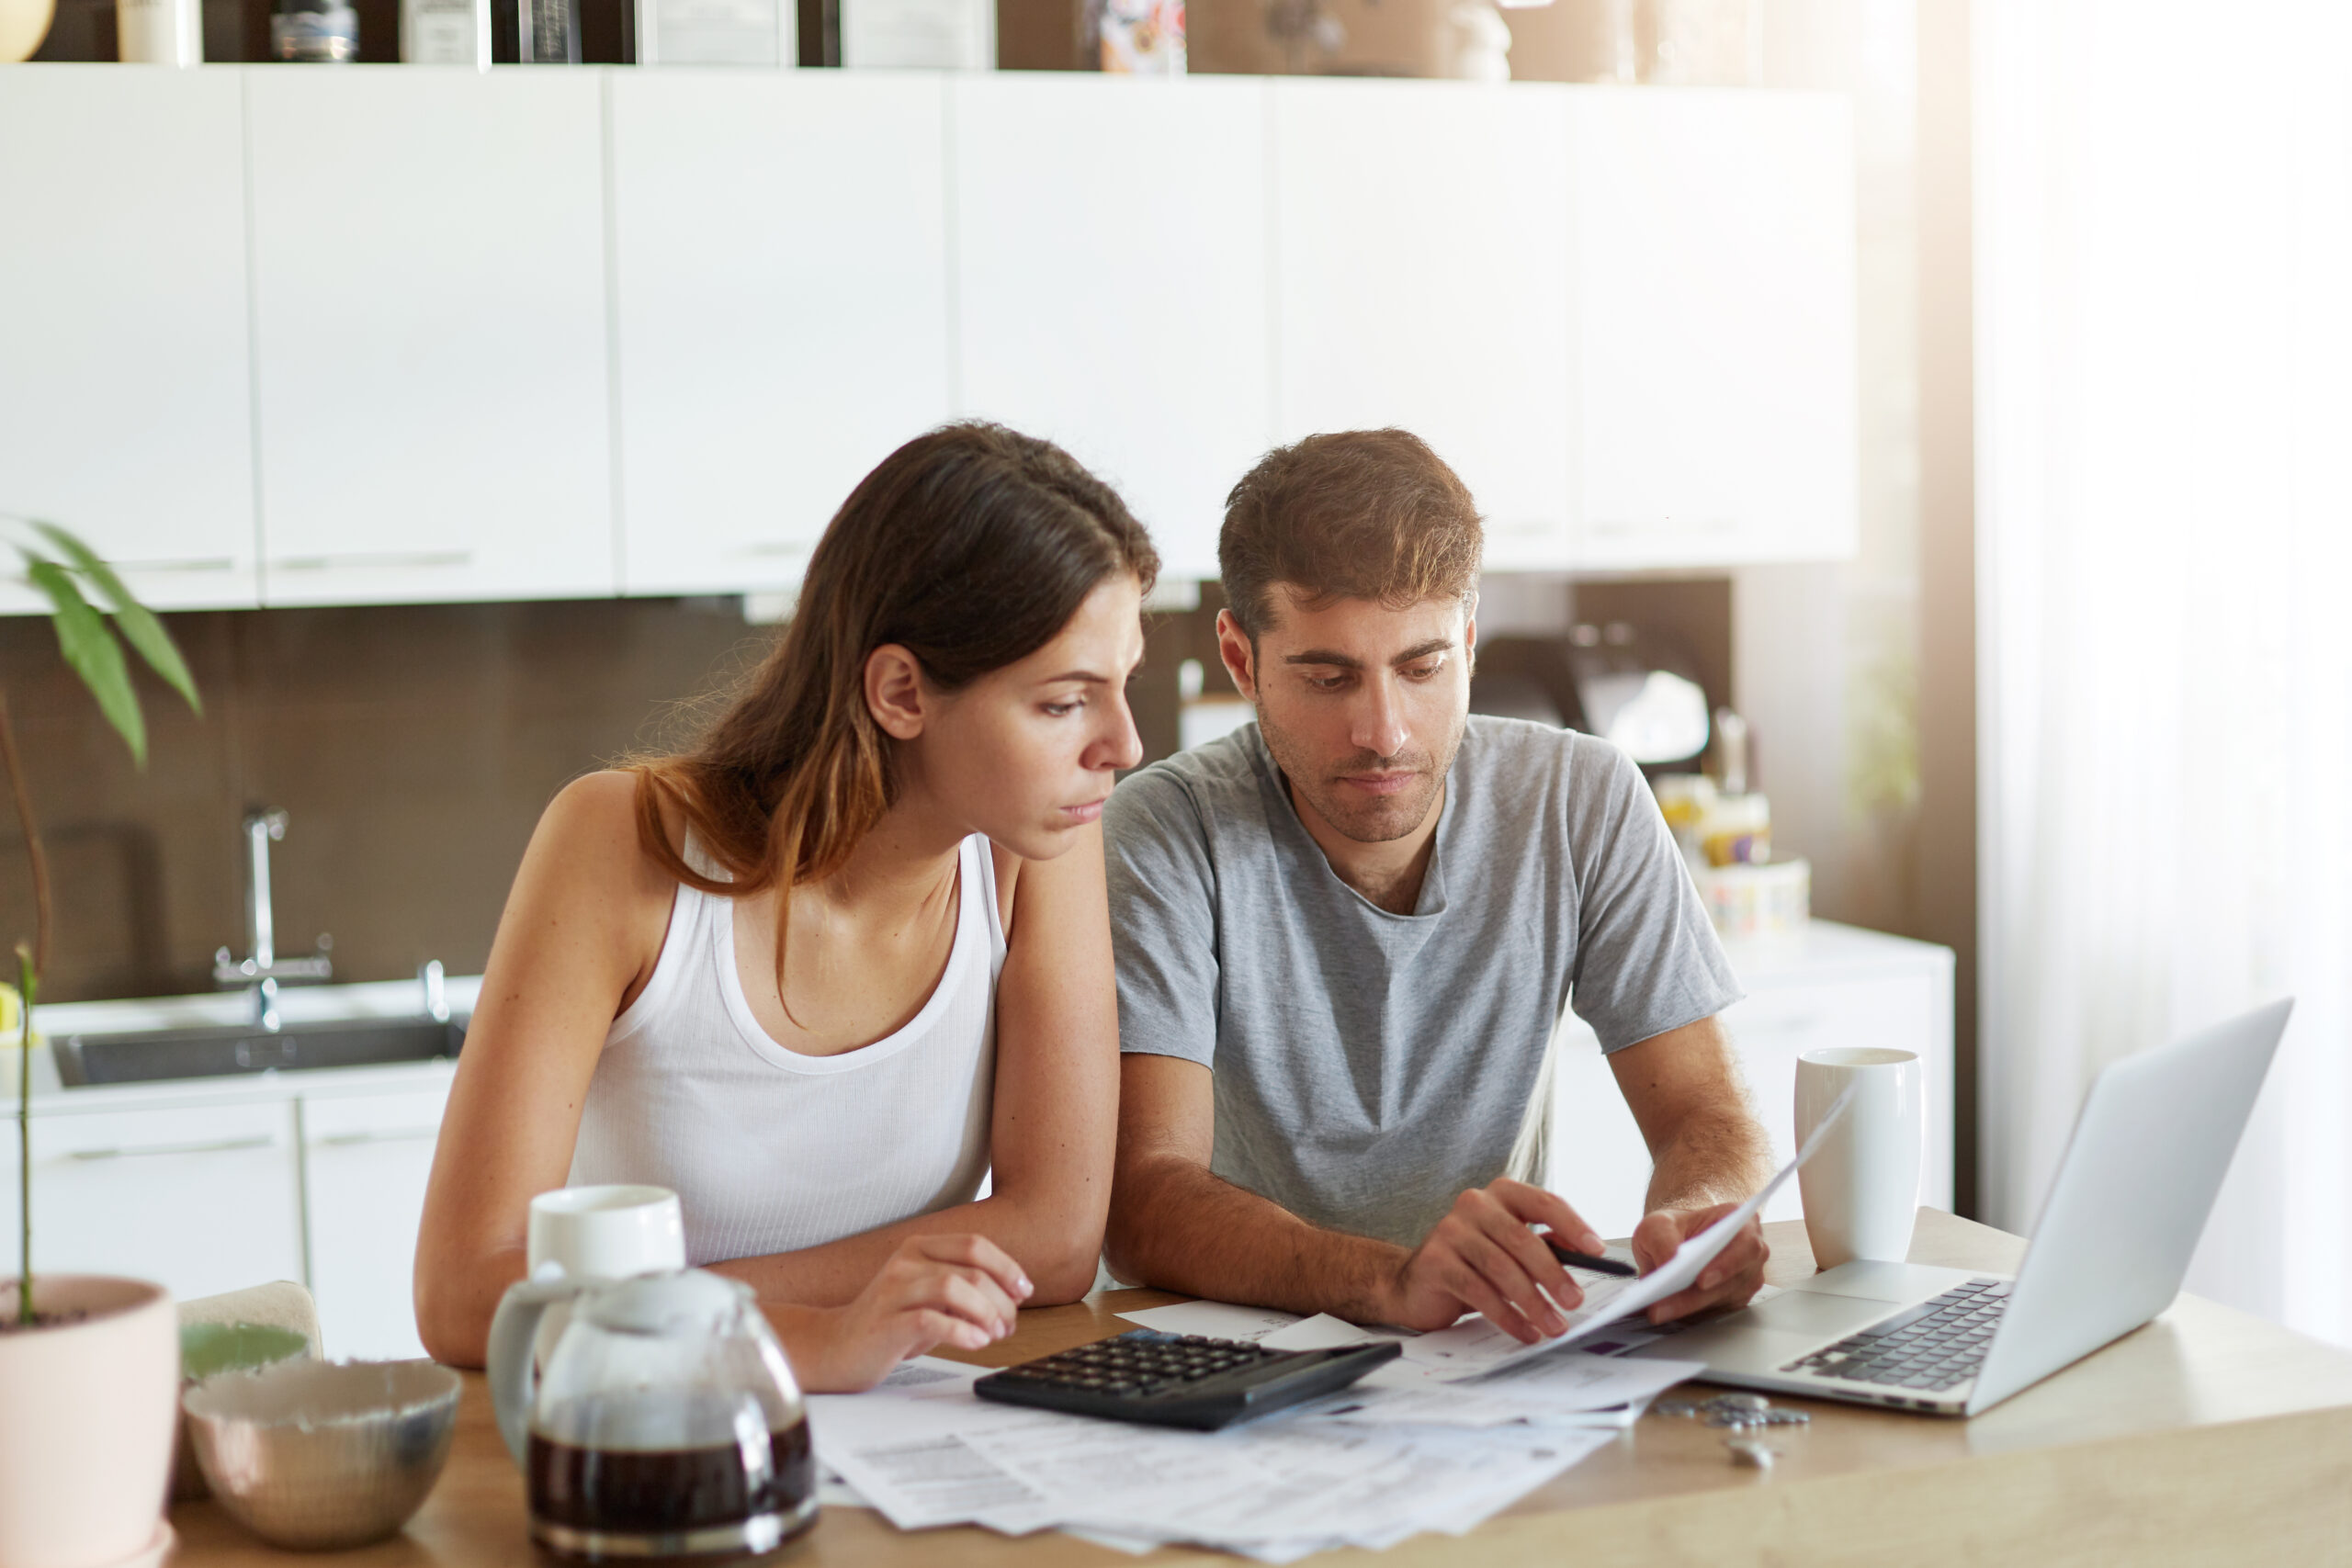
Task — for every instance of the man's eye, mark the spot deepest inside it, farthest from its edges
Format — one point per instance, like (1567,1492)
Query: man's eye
(1327,682)
(1424,672)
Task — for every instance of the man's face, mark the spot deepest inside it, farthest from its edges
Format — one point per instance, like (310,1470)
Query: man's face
(1362,705)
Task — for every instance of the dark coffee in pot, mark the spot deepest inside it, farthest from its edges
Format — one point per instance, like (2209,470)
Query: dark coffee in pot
(594,1503)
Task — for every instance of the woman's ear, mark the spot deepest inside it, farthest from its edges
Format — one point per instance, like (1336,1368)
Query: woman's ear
(894,692)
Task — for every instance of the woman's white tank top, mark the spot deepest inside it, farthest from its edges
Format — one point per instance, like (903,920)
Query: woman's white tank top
(770,1150)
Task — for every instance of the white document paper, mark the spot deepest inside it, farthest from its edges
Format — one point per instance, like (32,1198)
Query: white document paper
(1475,1346)
(1324,1332)
(1214,1320)
(923,1450)
(902,1446)
(1566,1389)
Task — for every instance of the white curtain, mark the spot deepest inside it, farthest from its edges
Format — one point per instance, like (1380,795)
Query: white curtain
(2164,398)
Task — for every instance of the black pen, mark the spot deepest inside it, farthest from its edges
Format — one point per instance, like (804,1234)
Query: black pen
(1587,1260)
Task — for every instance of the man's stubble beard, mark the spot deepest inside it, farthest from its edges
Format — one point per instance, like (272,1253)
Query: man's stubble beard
(1375,822)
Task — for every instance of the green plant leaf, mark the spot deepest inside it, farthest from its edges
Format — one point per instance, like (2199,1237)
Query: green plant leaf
(137,623)
(88,644)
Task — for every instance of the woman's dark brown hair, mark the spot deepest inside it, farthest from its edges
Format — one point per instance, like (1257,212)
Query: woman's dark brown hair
(971,547)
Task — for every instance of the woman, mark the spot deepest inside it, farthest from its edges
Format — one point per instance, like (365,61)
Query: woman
(848,956)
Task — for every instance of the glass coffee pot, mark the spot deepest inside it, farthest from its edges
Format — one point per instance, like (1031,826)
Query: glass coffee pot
(666,1423)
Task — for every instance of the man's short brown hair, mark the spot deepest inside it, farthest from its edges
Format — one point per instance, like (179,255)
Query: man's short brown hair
(1353,514)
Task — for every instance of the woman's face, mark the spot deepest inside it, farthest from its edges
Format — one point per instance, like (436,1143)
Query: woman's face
(1027,754)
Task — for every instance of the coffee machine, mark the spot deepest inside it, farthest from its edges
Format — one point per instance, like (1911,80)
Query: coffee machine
(1638,687)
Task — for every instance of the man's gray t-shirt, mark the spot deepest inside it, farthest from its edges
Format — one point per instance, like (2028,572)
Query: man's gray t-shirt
(1369,1066)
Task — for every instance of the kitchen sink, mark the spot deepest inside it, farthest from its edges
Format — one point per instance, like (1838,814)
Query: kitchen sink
(144,1056)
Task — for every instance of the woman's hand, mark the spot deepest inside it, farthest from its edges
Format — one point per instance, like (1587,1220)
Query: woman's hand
(960,1291)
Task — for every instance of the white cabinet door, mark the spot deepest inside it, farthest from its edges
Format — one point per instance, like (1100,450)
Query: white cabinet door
(780,254)
(201,1200)
(428,265)
(125,394)
(366,1161)
(1421,246)
(1716,303)
(1112,283)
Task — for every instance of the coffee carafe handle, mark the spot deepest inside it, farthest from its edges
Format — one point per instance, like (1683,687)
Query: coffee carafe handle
(513,1377)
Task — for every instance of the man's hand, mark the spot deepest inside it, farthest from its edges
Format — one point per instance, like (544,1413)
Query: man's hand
(1482,1258)
(1730,1277)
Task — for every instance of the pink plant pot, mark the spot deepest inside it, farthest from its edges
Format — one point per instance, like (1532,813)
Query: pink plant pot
(86,1449)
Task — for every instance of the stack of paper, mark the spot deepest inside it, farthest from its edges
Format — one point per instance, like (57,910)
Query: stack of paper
(1396,1456)
(1465,1422)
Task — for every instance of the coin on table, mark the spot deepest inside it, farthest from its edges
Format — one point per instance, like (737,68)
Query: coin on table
(1749,1454)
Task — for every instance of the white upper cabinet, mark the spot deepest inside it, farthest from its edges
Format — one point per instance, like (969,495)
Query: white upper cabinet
(561,334)
(1715,308)
(780,255)
(1111,282)
(430,334)
(125,406)
(1420,258)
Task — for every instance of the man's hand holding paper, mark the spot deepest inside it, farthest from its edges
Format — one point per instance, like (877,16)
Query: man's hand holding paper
(1475,1346)
(1735,1274)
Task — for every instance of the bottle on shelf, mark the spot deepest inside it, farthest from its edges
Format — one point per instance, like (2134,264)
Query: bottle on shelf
(445,32)
(917,35)
(318,32)
(716,32)
(546,32)
(159,33)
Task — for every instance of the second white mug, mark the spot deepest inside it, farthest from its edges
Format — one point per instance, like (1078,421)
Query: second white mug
(1862,1187)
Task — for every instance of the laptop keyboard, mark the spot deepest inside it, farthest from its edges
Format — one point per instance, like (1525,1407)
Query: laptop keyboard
(1932,1347)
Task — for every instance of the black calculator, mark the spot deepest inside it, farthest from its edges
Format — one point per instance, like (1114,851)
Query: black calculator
(1180,1380)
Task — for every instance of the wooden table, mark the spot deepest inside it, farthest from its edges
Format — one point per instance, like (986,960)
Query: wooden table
(2206,1436)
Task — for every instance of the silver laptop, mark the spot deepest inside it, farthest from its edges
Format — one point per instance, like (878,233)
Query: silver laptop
(2130,1200)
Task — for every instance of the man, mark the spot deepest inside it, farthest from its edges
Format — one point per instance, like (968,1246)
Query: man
(1345,934)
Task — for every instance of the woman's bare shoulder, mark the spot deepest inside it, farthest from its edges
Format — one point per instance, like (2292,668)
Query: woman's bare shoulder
(589,832)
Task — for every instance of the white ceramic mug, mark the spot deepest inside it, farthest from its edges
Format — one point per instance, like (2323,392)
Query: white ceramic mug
(606,1233)
(1862,1187)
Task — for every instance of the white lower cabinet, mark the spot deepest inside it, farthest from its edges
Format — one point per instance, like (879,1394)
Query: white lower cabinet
(201,1198)
(1834,986)
(311,1180)
(365,1160)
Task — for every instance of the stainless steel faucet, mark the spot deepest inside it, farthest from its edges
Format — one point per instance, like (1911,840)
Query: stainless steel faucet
(261,972)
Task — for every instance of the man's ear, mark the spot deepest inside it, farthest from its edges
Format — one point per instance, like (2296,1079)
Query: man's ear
(1470,635)
(1233,646)
(894,692)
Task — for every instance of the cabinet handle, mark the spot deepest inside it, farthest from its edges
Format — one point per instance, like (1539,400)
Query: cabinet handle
(772,547)
(373,561)
(217,1146)
(200,563)
(400,1136)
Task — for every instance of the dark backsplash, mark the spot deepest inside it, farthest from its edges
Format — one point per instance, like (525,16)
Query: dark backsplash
(413,747)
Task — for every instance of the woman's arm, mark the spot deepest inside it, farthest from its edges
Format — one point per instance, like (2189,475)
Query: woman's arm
(580,935)
(578,938)
(1056,1111)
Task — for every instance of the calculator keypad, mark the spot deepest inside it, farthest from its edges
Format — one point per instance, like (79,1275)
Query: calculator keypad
(1138,1365)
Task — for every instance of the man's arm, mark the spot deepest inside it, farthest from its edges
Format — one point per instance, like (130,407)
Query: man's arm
(1707,1155)
(1175,1224)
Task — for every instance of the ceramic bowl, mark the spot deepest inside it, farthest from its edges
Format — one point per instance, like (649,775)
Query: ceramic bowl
(320,1455)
